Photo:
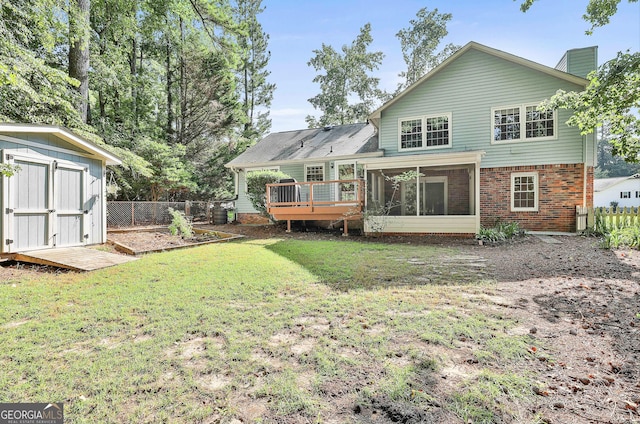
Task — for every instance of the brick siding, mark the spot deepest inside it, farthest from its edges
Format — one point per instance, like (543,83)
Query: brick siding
(560,189)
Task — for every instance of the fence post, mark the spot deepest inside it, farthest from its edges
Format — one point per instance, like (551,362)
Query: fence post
(187,208)
(133,216)
(591,218)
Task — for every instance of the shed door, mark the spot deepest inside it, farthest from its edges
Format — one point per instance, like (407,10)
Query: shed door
(29,207)
(68,193)
(44,205)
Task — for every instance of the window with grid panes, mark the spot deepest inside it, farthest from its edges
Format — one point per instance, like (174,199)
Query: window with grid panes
(625,195)
(411,134)
(315,173)
(506,124)
(524,191)
(539,123)
(437,130)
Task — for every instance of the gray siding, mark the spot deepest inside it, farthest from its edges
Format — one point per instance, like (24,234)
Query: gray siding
(469,88)
(94,195)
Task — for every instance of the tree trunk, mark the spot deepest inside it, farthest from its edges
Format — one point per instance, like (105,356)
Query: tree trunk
(169,93)
(79,52)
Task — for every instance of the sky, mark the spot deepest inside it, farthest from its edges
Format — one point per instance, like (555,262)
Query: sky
(543,34)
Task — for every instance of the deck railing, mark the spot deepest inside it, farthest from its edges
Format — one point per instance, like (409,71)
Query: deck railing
(316,201)
(316,194)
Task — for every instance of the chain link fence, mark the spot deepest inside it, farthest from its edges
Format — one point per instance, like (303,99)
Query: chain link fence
(129,214)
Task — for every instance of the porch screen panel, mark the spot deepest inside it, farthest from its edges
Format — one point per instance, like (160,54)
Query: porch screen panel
(399,194)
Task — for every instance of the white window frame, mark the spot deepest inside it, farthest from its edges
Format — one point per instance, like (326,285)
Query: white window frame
(637,194)
(536,189)
(625,195)
(265,168)
(423,119)
(523,125)
(314,165)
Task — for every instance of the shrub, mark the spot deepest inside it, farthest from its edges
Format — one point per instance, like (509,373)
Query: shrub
(256,187)
(501,232)
(180,225)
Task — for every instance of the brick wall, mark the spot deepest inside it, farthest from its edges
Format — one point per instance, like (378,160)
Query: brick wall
(560,189)
(252,218)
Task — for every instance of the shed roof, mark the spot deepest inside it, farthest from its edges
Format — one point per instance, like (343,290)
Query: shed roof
(327,143)
(602,184)
(65,135)
(376,115)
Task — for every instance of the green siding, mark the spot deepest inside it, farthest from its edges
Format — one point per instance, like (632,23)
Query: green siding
(582,61)
(469,88)
(243,205)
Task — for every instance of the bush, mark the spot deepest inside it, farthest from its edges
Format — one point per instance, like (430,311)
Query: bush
(257,190)
(501,232)
(180,225)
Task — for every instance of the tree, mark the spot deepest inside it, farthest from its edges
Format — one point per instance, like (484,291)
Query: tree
(255,92)
(613,94)
(79,52)
(599,12)
(419,42)
(346,77)
(609,165)
(33,88)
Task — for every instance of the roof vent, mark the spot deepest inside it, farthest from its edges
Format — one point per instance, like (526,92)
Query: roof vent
(327,128)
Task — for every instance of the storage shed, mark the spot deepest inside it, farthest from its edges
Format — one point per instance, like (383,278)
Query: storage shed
(57,197)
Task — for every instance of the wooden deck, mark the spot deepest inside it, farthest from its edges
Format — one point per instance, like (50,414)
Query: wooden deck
(337,200)
(74,258)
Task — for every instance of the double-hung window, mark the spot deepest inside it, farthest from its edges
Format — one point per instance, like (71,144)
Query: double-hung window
(424,132)
(625,195)
(523,123)
(524,191)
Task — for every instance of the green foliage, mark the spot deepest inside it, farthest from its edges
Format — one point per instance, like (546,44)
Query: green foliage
(180,225)
(612,97)
(502,231)
(610,166)
(255,92)
(616,232)
(33,87)
(419,42)
(7,170)
(257,190)
(346,78)
(598,12)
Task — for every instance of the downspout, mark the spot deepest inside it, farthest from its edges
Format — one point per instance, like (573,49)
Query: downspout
(584,182)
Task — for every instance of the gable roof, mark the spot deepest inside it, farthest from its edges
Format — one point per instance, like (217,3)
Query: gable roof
(339,142)
(602,184)
(66,135)
(377,114)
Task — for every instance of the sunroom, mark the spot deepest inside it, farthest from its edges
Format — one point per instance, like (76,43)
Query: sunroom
(425,194)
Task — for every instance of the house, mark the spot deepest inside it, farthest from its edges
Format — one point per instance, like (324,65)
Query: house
(462,147)
(57,196)
(622,191)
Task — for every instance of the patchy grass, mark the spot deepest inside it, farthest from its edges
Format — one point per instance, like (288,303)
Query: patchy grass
(263,330)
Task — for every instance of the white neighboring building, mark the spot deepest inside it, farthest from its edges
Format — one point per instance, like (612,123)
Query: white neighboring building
(625,191)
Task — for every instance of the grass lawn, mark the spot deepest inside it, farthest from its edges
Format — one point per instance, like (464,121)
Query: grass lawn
(265,331)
